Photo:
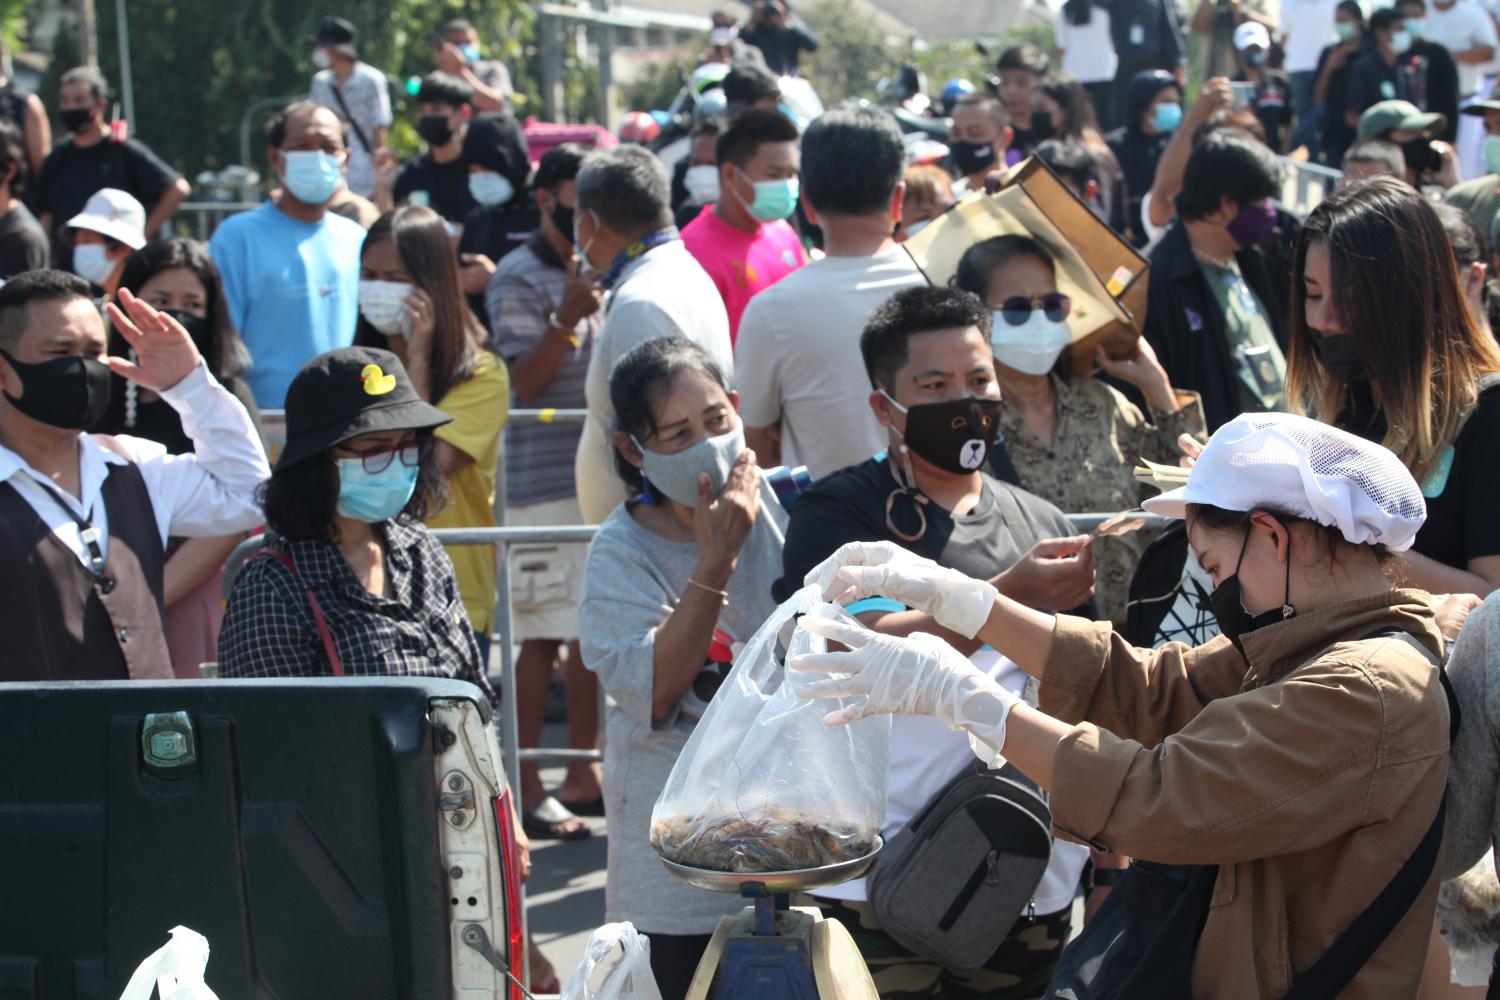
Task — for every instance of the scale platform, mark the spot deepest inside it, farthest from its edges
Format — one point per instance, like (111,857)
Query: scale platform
(773,949)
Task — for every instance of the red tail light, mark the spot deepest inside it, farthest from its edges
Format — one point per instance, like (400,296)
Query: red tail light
(510,861)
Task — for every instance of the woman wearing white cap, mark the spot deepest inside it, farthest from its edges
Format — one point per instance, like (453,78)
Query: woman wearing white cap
(1301,755)
(111,226)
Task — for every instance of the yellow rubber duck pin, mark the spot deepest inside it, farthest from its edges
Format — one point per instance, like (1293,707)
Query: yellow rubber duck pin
(377,382)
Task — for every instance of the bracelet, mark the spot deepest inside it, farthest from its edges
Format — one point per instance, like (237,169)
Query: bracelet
(723,595)
(553,323)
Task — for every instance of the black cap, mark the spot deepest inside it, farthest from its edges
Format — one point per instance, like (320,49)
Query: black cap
(336,33)
(348,392)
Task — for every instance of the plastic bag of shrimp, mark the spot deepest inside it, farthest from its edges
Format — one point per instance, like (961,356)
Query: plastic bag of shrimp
(763,785)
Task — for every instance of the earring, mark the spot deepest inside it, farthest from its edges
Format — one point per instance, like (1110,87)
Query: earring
(645,496)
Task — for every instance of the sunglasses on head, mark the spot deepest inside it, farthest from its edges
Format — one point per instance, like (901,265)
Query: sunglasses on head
(1017,309)
(379,458)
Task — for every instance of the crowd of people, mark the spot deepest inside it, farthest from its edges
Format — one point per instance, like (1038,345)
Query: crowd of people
(776,393)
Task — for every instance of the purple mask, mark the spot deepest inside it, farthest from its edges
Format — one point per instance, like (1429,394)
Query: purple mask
(1252,225)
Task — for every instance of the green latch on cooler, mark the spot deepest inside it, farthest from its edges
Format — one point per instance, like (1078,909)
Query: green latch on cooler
(168,740)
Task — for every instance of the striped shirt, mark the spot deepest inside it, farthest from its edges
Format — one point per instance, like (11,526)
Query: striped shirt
(524,290)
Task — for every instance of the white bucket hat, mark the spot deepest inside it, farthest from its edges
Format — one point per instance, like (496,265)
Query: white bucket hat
(1305,468)
(113,213)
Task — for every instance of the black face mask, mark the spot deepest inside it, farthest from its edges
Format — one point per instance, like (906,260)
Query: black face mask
(1229,607)
(196,326)
(71,393)
(76,119)
(972,157)
(434,129)
(1339,356)
(562,218)
(1041,125)
(955,435)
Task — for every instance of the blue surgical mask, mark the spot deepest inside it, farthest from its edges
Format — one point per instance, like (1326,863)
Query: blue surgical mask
(311,175)
(1400,42)
(774,200)
(490,188)
(374,496)
(1166,117)
(1491,152)
(1345,30)
(1416,26)
(471,52)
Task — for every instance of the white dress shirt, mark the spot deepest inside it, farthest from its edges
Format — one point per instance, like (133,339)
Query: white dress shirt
(205,494)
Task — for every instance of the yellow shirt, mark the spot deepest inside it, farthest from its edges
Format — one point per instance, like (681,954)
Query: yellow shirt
(478,407)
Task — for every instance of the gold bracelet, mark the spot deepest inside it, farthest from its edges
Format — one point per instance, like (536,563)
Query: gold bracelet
(723,595)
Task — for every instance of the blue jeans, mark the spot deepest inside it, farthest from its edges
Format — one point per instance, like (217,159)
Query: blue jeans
(1309,130)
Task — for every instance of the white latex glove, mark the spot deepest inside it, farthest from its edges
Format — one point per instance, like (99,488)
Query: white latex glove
(869,569)
(917,675)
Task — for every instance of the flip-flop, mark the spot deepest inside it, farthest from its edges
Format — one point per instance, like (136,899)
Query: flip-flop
(543,820)
(593,808)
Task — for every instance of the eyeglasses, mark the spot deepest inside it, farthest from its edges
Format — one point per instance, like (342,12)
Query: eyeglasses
(378,459)
(1017,309)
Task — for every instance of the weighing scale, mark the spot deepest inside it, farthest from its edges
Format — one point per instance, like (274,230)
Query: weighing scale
(773,949)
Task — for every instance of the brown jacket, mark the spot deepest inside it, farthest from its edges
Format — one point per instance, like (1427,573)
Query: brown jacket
(1309,775)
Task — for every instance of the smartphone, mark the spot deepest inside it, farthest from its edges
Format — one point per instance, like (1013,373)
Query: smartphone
(1242,95)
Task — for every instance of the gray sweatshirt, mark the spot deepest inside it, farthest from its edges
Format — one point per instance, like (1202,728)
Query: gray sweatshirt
(1473,824)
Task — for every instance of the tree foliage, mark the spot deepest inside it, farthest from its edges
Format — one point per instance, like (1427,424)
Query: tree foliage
(852,56)
(199,67)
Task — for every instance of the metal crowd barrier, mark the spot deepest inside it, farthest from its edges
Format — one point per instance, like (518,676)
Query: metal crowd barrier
(1306,184)
(199,219)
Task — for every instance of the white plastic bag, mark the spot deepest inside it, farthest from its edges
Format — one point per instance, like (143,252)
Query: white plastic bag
(763,785)
(175,969)
(1468,913)
(628,978)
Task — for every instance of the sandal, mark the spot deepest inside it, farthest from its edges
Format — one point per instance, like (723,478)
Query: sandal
(545,821)
(593,808)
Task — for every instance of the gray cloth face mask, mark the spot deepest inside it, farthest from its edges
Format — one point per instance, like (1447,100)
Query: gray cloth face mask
(676,475)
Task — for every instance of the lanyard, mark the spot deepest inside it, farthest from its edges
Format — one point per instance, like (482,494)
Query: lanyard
(87,533)
(639,248)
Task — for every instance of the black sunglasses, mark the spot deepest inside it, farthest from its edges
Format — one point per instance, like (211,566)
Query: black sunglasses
(1017,309)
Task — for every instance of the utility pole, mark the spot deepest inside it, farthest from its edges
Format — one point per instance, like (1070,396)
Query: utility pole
(88,34)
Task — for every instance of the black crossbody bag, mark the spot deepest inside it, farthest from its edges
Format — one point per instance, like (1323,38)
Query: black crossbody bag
(1140,945)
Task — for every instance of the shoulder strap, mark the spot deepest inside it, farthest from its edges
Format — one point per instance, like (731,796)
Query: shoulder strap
(359,133)
(285,558)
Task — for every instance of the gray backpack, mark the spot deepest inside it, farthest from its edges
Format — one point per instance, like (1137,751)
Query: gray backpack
(952,884)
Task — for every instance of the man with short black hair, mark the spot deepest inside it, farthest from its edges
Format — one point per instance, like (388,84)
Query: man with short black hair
(291,267)
(357,93)
(748,85)
(458,54)
(86,519)
(801,394)
(1397,65)
(1214,313)
(438,178)
(95,156)
(981,136)
(744,241)
(1071,161)
(623,232)
(1022,68)
(930,383)
(23,241)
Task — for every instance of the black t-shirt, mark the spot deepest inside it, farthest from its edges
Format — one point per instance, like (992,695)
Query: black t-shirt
(23,243)
(71,174)
(1337,135)
(849,506)
(495,232)
(1461,524)
(1273,105)
(157,420)
(446,184)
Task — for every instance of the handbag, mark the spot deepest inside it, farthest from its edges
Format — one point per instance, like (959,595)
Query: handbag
(952,884)
(1140,945)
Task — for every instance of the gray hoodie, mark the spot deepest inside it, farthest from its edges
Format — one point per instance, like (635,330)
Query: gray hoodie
(1473,824)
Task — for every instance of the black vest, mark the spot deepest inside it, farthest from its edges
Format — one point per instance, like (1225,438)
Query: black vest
(60,622)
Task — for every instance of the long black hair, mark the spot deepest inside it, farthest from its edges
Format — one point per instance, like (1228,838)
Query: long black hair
(221,347)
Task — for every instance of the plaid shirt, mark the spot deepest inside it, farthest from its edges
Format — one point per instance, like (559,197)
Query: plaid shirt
(269,629)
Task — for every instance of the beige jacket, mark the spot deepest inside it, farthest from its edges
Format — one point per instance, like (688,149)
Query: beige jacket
(1309,775)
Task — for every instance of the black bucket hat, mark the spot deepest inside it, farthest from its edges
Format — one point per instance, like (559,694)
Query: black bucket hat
(336,33)
(348,392)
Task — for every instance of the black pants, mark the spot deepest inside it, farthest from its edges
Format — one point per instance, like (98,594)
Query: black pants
(674,959)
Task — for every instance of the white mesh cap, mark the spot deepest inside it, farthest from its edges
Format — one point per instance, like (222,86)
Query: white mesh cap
(1308,469)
